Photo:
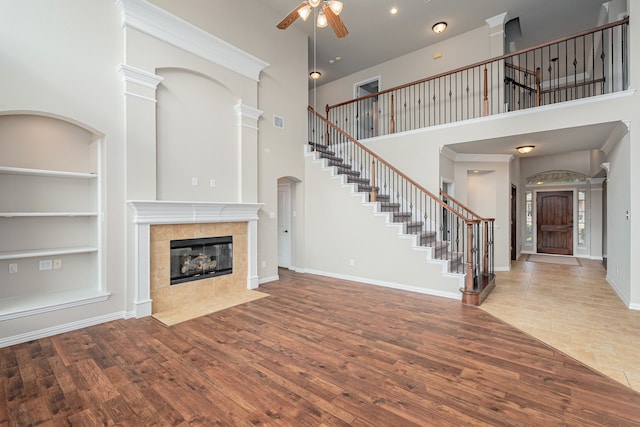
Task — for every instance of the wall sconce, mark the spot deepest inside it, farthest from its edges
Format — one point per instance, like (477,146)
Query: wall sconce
(439,27)
(315,75)
(525,149)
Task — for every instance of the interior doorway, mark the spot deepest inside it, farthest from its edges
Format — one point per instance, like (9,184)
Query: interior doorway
(554,212)
(367,109)
(284,225)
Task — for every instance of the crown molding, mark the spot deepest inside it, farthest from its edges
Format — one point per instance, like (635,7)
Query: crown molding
(143,78)
(487,158)
(616,135)
(496,21)
(248,111)
(158,23)
(448,153)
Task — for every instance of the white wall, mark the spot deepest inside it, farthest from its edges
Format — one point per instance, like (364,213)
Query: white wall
(473,46)
(618,224)
(347,240)
(60,58)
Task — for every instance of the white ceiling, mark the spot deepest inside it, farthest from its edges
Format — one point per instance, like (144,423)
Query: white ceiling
(376,36)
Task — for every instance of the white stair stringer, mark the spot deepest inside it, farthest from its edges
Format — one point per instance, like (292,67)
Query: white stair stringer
(353,239)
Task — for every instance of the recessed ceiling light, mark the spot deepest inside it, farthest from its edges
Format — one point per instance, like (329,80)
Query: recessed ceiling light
(393,10)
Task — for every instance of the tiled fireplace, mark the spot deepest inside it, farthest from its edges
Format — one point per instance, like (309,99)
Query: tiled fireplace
(157,223)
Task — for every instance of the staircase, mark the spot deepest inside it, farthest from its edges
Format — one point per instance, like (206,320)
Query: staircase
(440,250)
(450,233)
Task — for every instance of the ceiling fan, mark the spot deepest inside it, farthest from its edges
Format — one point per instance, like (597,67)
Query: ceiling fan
(329,11)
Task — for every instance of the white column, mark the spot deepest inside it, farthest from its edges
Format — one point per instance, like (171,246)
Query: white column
(140,119)
(248,152)
(252,255)
(142,266)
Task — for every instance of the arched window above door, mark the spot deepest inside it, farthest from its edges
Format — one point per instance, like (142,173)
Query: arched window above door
(556,177)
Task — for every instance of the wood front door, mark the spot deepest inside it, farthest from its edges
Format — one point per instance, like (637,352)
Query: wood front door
(555,222)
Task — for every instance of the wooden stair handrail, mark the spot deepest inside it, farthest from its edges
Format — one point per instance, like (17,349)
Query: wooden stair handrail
(394,169)
(488,61)
(442,193)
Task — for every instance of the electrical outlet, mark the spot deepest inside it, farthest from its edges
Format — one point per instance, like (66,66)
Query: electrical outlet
(45,264)
(212,183)
(194,181)
(13,268)
(352,262)
(264,264)
(57,264)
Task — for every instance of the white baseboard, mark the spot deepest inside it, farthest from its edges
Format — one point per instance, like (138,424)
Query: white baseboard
(264,280)
(59,329)
(433,292)
(621,295)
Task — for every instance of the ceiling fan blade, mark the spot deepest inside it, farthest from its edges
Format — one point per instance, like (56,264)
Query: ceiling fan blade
(291,17)
(335,21)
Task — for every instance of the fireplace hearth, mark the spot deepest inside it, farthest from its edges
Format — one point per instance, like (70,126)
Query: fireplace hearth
(201,258)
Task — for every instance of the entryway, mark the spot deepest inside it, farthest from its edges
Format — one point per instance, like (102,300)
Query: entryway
(554,211)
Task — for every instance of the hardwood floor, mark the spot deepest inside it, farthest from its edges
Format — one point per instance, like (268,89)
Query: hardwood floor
(317,351)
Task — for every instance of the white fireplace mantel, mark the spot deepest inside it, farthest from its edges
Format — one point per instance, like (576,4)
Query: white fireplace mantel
(151,212)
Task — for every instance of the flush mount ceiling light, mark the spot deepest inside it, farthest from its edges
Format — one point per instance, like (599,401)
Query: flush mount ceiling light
(439,27)
(315,75)
(525,149)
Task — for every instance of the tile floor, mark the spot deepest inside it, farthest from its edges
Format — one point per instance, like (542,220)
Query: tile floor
(573,309)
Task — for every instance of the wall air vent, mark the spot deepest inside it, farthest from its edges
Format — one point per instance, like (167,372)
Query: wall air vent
(278,122)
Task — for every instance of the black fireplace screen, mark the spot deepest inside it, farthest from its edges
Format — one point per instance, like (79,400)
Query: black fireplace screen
(195,259)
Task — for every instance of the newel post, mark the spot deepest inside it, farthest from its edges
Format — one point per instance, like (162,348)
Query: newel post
(485,266)
(469,295)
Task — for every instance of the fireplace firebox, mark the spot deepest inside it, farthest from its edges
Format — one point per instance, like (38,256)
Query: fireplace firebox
(196,259)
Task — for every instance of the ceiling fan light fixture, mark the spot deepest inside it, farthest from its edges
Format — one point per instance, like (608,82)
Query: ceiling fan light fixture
(304,12)
(322,20)
(314,3)
(439,27)
(315,75)
(525,149)
(336,6)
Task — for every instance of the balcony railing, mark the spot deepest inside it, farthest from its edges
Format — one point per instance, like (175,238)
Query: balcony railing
(454,233)
(590,63)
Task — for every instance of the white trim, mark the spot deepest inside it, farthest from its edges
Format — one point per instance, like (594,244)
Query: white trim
(158,23)
(497,20)
(489,158)
(145,98)
(59,329)
(244,110)
(150,212)
(136,75)
(426,291)
(269,279)
(509,114)
(615,136)
(448,152)
(621,295)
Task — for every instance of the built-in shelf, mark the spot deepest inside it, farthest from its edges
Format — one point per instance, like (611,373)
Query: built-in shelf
(46,214)
(14,307)
(46,252)
(50,215)
(44,172)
